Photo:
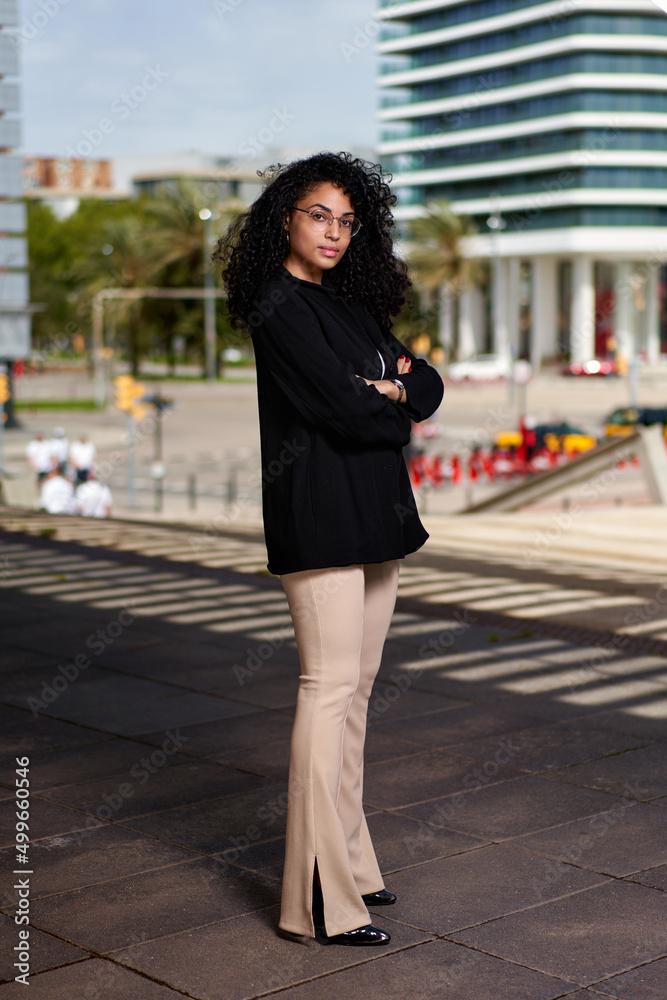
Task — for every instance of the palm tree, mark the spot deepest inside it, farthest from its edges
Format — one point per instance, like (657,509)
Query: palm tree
(177,240)
(438,260)
(127,264)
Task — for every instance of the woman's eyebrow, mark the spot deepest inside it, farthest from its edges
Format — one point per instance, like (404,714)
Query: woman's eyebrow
(318,204)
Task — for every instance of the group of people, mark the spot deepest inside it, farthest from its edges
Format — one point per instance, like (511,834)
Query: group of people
(66,479)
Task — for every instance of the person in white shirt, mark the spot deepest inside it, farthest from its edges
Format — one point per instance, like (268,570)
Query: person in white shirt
(93,498)
(59,447)
(82,455)
(57,496)
(40,457)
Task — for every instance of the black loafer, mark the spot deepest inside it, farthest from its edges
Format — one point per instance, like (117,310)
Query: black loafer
(361,935)
(381,898)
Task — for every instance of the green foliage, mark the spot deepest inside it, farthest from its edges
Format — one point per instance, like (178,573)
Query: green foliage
(437,252)
(151,241)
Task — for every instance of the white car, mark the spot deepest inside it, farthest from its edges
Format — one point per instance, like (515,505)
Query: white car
(480,367)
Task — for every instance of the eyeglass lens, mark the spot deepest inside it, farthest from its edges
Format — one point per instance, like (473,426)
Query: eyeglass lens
(323,220)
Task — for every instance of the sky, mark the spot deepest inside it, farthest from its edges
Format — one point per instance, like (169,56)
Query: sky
(105,78)
(224,77)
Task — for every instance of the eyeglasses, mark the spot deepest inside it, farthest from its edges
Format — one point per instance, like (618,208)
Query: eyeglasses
(322,220)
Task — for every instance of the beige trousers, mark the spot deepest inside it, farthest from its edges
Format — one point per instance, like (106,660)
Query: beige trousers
(341,617)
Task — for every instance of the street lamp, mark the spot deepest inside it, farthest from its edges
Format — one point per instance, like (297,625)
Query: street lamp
(210,338)
(496,224)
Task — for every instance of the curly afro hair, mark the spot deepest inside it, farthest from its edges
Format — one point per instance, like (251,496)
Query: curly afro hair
(369,274)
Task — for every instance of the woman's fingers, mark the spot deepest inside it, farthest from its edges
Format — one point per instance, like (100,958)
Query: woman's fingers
(404,365)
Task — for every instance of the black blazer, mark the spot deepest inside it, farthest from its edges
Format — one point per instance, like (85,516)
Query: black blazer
(336,490)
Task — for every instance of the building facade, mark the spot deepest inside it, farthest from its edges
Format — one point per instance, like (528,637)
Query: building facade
(14,291)
(546,122)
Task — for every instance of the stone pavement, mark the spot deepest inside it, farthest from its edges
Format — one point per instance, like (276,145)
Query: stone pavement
(516,779)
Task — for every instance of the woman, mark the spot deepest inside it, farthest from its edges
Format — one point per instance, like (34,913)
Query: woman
(310,270)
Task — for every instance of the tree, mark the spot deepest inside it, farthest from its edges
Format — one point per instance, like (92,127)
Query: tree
(176,239)
(440,265)
(153,240)
(62,255)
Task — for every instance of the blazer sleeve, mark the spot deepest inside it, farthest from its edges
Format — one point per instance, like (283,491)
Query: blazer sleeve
(424,387)
(323,388)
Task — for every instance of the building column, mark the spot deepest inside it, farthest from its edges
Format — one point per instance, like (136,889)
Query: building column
(446,319)
(466,331)
(625,313)
(513,306)
(544,311)
(652,319)
(582,316)
(499,338)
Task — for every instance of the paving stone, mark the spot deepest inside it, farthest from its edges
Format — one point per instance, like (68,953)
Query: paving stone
(97,854)
(148,788)
(423,776)
(654,877)
(69,635)
(639,773)
(400,841)
(220,741)
(626,840)
(18,612)
(212,962)
(58,768)
(46,951)
(447,728)
(592,994)
(93,978)
(176,662)
(477,885)
(270,759)
(277,691)
(152,904)
(388,703)
(553,745)
(508,809)
(215,826)
(266,858)
(22,734)
(648,981)
(158,715)
(32,675)
(649,727)
(47,819)
(92,687)
(583,937)
(432,971)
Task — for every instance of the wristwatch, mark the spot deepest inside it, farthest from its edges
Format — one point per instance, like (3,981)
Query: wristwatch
(401,388)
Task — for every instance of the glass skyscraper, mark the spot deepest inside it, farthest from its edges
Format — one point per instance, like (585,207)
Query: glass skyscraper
(546,122)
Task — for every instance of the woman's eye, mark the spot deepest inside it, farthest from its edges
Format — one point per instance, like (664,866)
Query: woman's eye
(317,216)
(346,223)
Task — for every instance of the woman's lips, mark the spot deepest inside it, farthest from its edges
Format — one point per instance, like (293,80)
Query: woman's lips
(329,251)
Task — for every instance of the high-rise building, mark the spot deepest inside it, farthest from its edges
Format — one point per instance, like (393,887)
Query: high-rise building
(546,122)
(14,294)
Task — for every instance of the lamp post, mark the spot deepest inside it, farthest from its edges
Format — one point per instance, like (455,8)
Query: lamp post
(496,224)
(210,337)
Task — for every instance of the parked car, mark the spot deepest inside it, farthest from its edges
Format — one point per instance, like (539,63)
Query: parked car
(594,367)
(556,437)
(625,420)
(479,368)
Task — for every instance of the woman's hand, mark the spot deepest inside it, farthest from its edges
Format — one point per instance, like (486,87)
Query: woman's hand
(388,388)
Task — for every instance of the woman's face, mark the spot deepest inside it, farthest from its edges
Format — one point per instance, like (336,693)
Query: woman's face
(312,249)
